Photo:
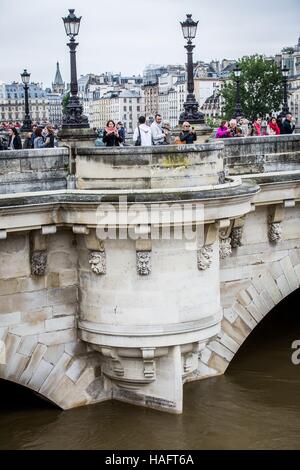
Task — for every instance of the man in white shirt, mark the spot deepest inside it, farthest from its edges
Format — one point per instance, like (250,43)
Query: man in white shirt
(158,136)
(144,131)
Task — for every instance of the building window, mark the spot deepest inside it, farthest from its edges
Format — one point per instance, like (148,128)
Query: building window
(125,108)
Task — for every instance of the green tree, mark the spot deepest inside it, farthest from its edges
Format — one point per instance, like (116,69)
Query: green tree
(261,88)
(65,101)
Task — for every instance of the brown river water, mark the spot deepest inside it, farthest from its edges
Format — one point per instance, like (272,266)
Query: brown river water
(255,405)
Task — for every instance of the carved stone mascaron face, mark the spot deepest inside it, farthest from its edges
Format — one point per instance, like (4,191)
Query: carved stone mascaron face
(143,263)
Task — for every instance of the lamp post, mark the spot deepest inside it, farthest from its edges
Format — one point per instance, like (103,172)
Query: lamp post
(25,76)
(238,107)
(191,113)
(73,116)
(285,108)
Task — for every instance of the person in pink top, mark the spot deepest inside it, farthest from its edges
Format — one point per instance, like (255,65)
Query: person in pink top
(223,130)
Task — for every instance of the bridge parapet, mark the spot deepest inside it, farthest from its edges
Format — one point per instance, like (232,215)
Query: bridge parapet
(262,154)
(149,167)
(33,170)
(161,167)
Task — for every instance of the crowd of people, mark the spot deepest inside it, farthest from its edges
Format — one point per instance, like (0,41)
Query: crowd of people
(41,136)
(146,134)
(271,125)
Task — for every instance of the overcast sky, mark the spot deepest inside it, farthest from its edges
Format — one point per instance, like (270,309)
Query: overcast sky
(125,36)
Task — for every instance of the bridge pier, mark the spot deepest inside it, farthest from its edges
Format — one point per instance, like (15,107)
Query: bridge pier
(95,306)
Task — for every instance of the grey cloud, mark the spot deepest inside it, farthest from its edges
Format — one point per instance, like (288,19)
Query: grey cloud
(126,36)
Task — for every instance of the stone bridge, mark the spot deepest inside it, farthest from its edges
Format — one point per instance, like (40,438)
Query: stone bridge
(105,300)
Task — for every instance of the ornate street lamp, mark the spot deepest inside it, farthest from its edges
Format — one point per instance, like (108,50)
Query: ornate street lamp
(238,107)
(27,124)
(73,117)
(285,74)
(191,113)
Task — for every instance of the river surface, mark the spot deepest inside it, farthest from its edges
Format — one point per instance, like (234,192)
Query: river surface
(256,405)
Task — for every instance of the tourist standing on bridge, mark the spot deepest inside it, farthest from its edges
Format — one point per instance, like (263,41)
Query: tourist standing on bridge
(49,137)
(39,142)
(273,128)
(111,135)
(256,127)
(234,129)
(244,126)
(187,135)
(33,135)
(166,127)
(223,131)
(287,127)
(158,136)
(14,142)
(2,145)
(142,135)
(121,131)
(27,144)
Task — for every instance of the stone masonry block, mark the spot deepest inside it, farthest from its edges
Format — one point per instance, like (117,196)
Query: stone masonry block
(245,315)
(28,329)
(76,368)
(39,376)
(253,310)
(229,343)
(205,355)
(56,375)
(62,310)
(15,366)
(35,359)
(218,363)
(65,295)
(283,286)
(289,272)
(60,323)
(58,337)
(37,315)
(221,350)
(27,345)
(237,331)
(9,319)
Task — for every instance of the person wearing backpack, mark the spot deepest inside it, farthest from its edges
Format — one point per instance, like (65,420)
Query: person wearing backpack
(142,135)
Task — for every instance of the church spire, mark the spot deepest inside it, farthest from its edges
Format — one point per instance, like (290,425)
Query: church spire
(58,85)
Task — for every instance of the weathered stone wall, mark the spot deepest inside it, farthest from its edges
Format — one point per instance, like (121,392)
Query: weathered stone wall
(38,322)
(257,276)
(261,154)
(149,167)
(33,170)
(150,314)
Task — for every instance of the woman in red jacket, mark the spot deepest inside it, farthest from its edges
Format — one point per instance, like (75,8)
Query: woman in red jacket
(273,128)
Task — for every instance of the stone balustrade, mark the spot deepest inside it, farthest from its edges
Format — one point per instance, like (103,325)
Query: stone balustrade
(161,167)
(33,170)
(149,167)
(262,154)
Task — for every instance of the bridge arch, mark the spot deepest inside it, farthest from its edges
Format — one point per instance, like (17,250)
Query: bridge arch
(14,391)
(250,306)
(64,376)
